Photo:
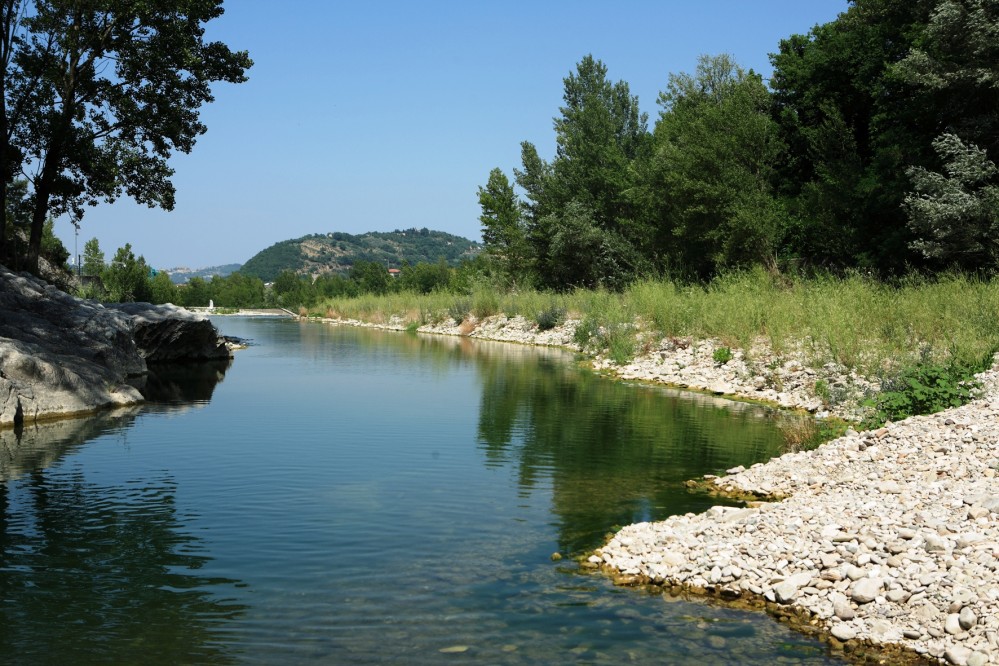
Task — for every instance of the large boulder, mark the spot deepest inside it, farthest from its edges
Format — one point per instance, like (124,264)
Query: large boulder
(167,333)
(61,355)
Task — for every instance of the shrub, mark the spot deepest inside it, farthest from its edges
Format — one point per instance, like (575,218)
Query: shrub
(924,388)
(459,310)
(722,355)
(585,331)
(549,318)
(620,343)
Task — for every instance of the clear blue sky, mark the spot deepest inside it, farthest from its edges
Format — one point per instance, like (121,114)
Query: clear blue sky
(375,116)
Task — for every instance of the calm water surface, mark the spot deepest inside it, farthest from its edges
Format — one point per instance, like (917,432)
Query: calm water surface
(348,496)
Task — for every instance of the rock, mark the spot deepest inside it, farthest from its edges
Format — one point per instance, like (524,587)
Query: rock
(454,649)
(866,590)
(62,355)
(952,625)
(167,333)
(957,655)
(978,659)
(843,632)
(843,610)
(967,618)
(59,354)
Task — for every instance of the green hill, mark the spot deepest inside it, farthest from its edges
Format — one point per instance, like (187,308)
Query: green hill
(336,252)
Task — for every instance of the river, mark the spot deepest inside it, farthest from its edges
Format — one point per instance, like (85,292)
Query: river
(351,496)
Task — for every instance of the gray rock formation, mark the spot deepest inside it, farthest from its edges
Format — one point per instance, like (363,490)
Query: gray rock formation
(167,333)
(61,355)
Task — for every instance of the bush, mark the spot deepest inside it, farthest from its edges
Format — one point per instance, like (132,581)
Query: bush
(925,388)
(585,331)
(722,355)
(459,310)
(549,318)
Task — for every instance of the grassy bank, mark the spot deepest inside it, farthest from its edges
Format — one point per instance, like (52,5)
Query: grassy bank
(862,324)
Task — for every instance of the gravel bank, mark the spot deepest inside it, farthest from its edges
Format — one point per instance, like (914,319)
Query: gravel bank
(889,537)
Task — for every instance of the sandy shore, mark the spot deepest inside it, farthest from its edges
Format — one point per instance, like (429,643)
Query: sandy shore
(887,538)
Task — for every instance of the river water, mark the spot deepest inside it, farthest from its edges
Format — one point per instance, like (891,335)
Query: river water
(349,496)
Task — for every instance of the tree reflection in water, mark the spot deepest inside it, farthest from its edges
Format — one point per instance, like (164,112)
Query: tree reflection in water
(613,454)
(101,574)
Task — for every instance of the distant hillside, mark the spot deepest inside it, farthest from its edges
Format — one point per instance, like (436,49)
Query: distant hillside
(337,252)
(181,275)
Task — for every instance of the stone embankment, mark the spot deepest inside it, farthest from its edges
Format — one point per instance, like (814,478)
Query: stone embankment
(887,538)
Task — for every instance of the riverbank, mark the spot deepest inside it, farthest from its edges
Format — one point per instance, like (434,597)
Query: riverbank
(888,538)
(759,374)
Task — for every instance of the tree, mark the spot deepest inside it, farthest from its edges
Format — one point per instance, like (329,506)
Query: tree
(955,214)
(599,135)
(503,230)
(853,125)
(195,293)
(371,277)
(954,68)
(98,96)
(127,277)
(712,173)
(93,258)
(162,289)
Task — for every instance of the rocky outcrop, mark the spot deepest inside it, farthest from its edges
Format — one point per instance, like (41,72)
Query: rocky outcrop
(167,333)
(61,355)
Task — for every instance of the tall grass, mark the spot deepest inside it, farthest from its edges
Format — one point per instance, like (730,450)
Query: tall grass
(855,321)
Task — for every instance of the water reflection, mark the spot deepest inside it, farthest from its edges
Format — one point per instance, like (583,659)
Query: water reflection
(104,573)
(178,383)
(615,454)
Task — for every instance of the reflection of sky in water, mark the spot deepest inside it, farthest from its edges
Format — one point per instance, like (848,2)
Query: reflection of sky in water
(352,496)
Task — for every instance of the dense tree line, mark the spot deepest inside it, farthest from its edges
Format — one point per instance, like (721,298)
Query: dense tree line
(873,147)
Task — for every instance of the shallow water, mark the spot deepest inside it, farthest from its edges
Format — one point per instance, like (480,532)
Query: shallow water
(355,496)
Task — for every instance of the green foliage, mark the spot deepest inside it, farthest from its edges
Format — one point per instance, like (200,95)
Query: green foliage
(924,388)
(722,355)
(162,289)
(710,181)
(955,215)
(620,343)
(804,432)
(549,318)
(126,278)
(370,276)
(93,258)
(458,310)
(105,121)
(196,293)
(425,278)
(503,230)
(485,303)
(580,222)
(586,331)
(237,291)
